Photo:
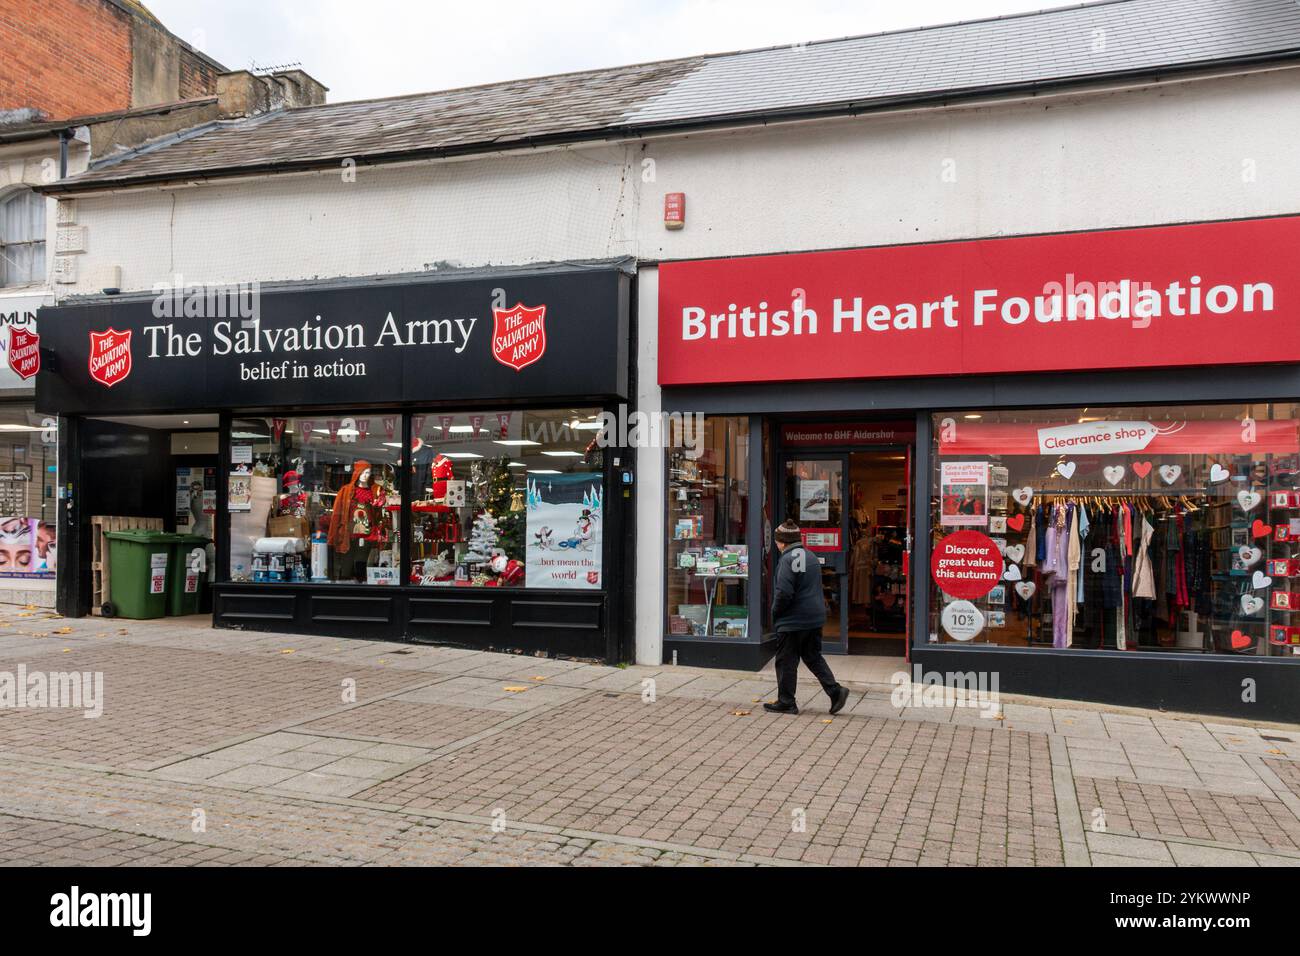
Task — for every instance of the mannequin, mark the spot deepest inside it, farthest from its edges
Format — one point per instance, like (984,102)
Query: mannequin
(293,502)
(356,522)
(440,472)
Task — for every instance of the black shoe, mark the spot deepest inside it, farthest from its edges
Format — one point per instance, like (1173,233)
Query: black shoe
(782,708)
(840,699)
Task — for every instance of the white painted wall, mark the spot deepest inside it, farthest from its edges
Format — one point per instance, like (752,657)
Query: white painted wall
(1133,158)
(504,210)
(1211,149)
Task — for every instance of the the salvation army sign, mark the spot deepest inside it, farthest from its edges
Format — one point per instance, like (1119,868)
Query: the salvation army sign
(1219,293)
(24,352)
(565,334)
(966,565)
(110,356)
(518,335)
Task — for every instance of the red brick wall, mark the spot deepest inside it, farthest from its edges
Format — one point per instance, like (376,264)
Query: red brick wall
(66,57)
(198,77)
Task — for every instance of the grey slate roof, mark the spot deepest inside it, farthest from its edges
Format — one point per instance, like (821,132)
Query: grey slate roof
(1109,38)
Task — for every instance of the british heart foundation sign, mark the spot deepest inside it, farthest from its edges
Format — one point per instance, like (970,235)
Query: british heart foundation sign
(24,352)
(110,356)
(518,335)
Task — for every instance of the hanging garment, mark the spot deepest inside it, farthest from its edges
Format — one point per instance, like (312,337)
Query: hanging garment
(1180,563)
(1084,525)
(1056,572)
(864,567)
(1144,583)
(1040,520)
(1072,571)
(1031,540)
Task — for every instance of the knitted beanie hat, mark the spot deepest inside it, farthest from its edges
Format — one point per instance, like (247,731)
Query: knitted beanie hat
(788,533)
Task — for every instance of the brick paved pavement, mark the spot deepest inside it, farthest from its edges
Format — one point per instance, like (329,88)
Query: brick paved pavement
(454,756)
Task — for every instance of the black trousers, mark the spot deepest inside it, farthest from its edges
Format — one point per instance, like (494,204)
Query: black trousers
(793,647)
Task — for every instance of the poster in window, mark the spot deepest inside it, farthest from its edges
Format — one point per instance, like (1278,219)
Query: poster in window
(196,499)
(964,493)
(239,496)
(564,531)
(27,548)
(814,500)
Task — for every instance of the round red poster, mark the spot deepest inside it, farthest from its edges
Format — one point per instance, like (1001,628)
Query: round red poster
(966,565)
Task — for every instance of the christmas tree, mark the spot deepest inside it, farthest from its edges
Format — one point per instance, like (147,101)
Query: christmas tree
(482,539)
(497,495)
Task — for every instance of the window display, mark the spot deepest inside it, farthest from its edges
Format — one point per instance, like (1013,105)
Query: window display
(1153,529)
(315,499)
(708,561)
(507,499)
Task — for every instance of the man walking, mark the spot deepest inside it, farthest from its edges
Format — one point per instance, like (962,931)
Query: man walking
(798,615)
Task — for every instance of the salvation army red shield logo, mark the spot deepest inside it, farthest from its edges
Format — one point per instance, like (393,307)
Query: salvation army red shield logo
(24,352)
(110,356)
(518,335)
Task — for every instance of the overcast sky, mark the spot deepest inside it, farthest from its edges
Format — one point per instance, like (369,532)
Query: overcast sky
(368,48)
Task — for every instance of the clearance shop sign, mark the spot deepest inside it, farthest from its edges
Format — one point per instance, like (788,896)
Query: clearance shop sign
(1170,296)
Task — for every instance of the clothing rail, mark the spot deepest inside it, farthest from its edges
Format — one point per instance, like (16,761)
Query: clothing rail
(1120,492)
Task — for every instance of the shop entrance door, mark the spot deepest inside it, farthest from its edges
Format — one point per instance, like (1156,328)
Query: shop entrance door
(814,488)
(854,511)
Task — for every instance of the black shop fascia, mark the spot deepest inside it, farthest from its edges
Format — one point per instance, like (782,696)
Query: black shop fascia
(408,458)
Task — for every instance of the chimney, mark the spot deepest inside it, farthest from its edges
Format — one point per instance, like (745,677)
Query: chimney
(242,93)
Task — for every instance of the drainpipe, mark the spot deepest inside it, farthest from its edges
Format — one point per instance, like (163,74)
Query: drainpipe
(63,154)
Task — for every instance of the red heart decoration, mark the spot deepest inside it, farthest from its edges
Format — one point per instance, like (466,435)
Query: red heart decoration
(1141,468)
(1016,523)
(1240,641)
(1259,529)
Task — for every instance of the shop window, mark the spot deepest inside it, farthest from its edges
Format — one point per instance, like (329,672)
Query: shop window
(315,498)
(22,238)
(28,519)
(1163,528)
(708,561)
(508,499)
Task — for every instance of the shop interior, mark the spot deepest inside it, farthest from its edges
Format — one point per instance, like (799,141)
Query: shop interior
(877,591)
(159,467)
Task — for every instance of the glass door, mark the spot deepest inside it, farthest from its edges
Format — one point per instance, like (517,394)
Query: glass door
(813,496)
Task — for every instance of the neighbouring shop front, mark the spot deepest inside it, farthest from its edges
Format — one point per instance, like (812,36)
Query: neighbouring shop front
(403,459)
(1070,460)
(28,456)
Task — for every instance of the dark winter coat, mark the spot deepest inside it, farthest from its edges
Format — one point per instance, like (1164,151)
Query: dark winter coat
(797,600)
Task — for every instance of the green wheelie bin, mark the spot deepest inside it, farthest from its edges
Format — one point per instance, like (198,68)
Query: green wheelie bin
(185,586)
(138,571)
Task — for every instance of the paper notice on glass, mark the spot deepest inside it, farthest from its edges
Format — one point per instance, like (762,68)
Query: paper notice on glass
(814,500)
(240,493)
(964,493)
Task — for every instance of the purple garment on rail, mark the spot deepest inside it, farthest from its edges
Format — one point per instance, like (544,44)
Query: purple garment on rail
(1056,569)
